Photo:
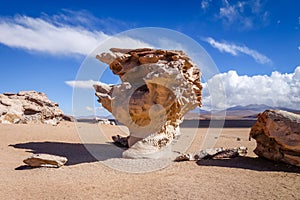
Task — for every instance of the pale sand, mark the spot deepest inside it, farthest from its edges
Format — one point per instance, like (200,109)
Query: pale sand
(85,178)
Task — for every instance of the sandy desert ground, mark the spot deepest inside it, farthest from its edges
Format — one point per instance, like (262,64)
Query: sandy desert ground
(84,177)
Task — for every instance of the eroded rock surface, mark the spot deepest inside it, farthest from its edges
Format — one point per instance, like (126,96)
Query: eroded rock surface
(213,153)
(29,107)
(277,134)
(158,88)
(45,160)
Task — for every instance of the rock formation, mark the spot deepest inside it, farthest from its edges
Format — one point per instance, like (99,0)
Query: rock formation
(158,88)
(45,160)
(105,121)
(29,107)
(277,134)
(213,153)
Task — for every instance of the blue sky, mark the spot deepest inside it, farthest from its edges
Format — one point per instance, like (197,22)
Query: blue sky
(255,44)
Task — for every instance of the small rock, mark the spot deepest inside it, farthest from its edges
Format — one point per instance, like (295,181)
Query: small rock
(231,153)
(213,153)
(105,121)
(185,157)
(120,141)
(45,160)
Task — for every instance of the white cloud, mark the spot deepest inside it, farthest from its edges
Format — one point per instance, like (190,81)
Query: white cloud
(60,34)
(205,4)
(243,14)
(299,48)
(88,108)
(280,90)
(234,50)
(229,12)
(40,35)
(96,110)
(85,84)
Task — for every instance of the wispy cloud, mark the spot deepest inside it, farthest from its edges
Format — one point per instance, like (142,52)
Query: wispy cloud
(89,108)
(205,4)
(242,15)
(63,34)
(86,84)
(37,34)
(235,50)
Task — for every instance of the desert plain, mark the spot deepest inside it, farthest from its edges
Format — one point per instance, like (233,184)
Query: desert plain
(85,177)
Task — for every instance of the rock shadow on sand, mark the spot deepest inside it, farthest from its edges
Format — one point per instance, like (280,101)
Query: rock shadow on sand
(76,153)
(250,163)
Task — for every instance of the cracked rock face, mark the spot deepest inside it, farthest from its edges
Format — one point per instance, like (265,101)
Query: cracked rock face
(277,134)
(29,107)
(158,88)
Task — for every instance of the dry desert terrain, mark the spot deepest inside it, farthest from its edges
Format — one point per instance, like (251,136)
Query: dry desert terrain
(84,177)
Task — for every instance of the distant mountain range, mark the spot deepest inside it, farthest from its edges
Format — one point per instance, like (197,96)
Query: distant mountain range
(259,108)
(237,112)
(94,117)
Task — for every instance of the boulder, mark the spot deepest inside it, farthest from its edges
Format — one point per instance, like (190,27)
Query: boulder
(29,107)
(45,160)
(158,88)
(277,134)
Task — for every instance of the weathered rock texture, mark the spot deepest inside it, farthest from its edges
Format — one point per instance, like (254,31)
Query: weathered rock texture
(277,134)
(213,153)
(29,107)
(45,160)
(158,88)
